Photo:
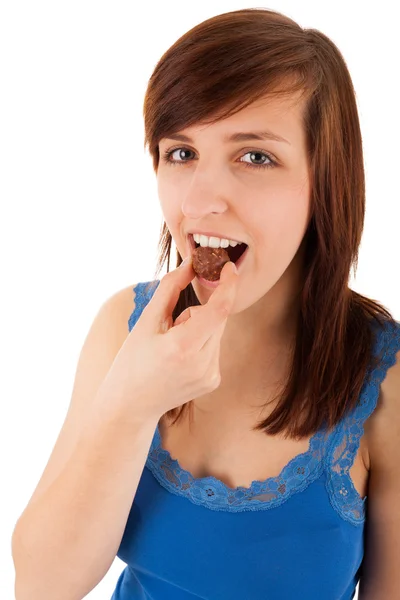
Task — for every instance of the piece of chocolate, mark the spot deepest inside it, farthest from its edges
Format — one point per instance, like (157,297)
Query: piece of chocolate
(208,262)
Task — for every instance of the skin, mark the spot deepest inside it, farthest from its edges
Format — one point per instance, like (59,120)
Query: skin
(212,189)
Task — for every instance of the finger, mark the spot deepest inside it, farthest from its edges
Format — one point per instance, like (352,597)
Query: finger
(164,299)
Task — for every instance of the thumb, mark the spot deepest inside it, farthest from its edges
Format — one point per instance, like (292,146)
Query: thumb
(158,312)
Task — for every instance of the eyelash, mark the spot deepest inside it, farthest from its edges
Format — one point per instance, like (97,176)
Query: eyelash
(166,159)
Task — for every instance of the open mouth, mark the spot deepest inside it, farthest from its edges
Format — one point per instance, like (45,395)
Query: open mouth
(234,252)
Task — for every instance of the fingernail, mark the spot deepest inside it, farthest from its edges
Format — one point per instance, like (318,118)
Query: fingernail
(234,268)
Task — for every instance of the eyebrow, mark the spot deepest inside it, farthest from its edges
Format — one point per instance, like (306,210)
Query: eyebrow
(241,136)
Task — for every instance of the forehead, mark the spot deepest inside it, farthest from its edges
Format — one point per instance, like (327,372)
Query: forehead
(281,115)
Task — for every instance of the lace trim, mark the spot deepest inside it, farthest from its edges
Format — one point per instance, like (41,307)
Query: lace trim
(343,496)
(303,469)
(296,476)
(142,298)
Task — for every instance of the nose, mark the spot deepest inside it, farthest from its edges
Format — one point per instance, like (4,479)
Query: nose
(202,204)
(205,195)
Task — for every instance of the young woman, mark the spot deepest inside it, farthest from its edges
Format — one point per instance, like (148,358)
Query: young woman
(242,440)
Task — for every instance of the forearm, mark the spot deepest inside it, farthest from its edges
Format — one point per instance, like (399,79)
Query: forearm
(64,543)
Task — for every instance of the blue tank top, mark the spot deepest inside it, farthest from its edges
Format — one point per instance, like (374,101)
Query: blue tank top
(295,536)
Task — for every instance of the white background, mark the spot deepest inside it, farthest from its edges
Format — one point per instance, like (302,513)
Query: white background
(80,216)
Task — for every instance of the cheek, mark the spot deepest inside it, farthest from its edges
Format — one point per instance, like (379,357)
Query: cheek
(167,184)
(168,202)
(282,224)
(172,215)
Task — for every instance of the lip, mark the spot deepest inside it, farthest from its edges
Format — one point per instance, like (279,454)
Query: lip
(192,243)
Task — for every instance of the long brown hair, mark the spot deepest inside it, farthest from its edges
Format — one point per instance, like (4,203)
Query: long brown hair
(220,67)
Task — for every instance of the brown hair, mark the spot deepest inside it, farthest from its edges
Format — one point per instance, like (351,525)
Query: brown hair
(220,67)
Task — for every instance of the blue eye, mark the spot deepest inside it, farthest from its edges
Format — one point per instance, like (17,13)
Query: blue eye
(166,158)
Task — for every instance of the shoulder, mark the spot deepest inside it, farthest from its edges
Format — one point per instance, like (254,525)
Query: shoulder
(117,310)
(123,308)
(387,412)
(383,428)
(122,301)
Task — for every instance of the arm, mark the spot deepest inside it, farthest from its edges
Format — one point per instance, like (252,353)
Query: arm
(380,573)
(66,541)
(67,537)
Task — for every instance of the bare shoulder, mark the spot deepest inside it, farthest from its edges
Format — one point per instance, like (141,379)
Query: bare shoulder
(123,302)
(116,311)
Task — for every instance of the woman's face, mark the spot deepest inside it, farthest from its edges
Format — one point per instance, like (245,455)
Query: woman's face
(218,185)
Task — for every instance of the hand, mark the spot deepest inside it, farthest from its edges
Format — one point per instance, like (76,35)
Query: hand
(164,364)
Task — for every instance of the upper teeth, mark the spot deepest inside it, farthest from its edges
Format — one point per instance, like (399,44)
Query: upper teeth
(214,242)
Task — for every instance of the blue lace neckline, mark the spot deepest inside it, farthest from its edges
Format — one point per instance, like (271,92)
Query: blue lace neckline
(294,477)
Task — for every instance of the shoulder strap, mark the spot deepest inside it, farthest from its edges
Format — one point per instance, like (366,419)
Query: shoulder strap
(346,440)
(143,293)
